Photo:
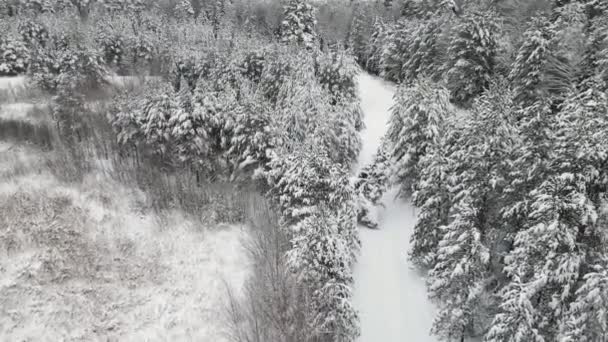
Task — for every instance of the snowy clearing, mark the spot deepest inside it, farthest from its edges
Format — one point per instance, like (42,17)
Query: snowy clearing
(390,295)
(82,263)
(19,111)
(11,82)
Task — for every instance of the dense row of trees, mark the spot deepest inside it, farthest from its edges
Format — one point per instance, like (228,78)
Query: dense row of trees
(500,137)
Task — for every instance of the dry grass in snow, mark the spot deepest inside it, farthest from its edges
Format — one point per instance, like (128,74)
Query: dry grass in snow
(88,262)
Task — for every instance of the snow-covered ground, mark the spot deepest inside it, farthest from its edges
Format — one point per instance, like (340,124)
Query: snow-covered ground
(11,82)
(89,262)
(389,294)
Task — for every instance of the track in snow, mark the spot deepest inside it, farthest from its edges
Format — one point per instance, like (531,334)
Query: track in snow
(390,295)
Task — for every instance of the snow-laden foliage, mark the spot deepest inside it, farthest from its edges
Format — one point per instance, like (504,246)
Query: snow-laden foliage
(336,73)
(298,25)
(396,50)
(527,72)
(375,46)
(114,49)
(458,278)
(253,65)
(373,180)
(473,51)
(546,259)
(183,9)
(14,57)
(358,34)
(433,198)
(60,57)
(587,315)
(422,52)
(317,202)
(69,108)
(33,33)
(415,125)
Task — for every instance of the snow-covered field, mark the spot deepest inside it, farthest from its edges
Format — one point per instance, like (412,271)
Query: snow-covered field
(89,263)
(11,82)
(390,295)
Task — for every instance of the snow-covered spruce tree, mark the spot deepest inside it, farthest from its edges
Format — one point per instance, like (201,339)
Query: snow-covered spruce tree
(252,137)
(183,9)
(374,178)
(113,46)
(316,201)
(472,54)
(252,65)
(273,78)
(546,64)
(527,74)
(302,180)
(68,108)
(424,52)
(338,134)
(587,316)
(337,72)
(420,9)
(596,41)
(415,125)
(218,12)
(462,260)
(322,257)
(14,57)
(563,232)
(61,58)
(359,33)
(546,262)
(458,279)
(33,33)
(298,25)
(375,46)
(433,200)
(397,50)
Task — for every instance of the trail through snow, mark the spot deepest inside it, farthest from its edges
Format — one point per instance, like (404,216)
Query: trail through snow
(389,294)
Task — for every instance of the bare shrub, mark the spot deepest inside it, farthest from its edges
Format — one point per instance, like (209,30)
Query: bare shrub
(272,306)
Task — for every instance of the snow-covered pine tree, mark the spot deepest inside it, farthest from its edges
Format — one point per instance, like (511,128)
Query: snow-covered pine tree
(358,37)
(464,257)
(472,54)
(396,51)
(336,73)
(33,33)
(519,319)
(14,57)
(252,137)
(527,73)
(373,180)
(433,200)
(424,53)
(588,314)
(183,9)
(546,262)
(298,25)
(219,10)
(415,124)
(459,277)
(420,9)
(337,133)
(595,60)
(375,46)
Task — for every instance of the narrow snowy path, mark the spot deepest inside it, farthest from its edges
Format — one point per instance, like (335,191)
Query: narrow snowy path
(389,294)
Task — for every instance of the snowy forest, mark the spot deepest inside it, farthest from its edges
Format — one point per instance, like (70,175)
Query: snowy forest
(213,170)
